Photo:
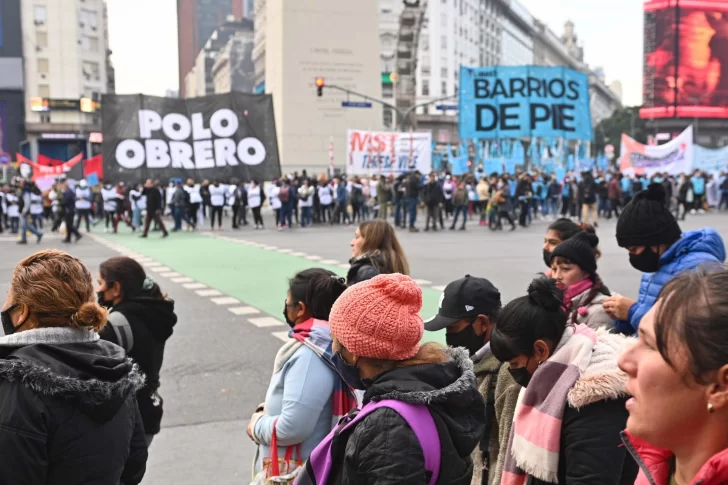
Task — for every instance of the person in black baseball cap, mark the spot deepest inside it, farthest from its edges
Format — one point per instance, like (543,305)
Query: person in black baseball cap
(468,307)
(468,310)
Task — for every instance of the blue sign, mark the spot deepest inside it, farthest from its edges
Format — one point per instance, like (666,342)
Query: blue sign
(524,101)
(4,159)
(446,107)
(356,104)
(92,179)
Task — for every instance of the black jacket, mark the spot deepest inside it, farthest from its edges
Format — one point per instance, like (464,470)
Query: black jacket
(433,194)
(68,416)
(151,321)
(383,450)
(592,452)
(365,267)
(414,185)
(154,199)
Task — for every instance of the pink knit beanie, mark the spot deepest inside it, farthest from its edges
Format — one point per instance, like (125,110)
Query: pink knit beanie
(380,318)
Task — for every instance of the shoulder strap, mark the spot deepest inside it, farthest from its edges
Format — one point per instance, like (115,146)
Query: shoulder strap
(122,329)
(420,420)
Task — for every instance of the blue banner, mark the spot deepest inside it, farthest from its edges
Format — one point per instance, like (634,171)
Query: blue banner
(524,101)
(493,165)
(710,160)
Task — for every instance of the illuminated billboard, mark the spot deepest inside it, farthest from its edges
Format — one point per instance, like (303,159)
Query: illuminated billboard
(686,59)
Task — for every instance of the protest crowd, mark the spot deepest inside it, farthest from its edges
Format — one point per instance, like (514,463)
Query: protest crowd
(569,383)
(443,200)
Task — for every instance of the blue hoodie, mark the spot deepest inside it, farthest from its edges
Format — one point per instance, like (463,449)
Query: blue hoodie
(693,249)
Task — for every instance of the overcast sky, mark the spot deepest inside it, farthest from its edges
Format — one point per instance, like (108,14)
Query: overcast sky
(144,40)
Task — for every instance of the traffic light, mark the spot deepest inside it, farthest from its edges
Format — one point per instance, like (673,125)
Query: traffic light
(320,86)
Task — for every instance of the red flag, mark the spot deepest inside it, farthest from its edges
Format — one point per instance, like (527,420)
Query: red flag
(21,159)
(48,162)
(94,165)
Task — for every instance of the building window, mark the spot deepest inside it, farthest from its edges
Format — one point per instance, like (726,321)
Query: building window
(45,117)
(41,14)
(42,66)
(425,87)
(443,20)
(443,90)
(443,42)
(388,117)
(91,71)
(443,72)
(89,19)
(44,91)
(41,39)
(90,43)
(426,68)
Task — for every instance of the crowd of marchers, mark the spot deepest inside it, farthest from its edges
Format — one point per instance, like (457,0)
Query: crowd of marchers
(443,200)
(570,383)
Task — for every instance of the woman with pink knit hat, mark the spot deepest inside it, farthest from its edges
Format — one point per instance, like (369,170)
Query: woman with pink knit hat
(422,414)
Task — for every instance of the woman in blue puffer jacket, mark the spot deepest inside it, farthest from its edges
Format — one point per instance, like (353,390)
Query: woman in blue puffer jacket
(659,249)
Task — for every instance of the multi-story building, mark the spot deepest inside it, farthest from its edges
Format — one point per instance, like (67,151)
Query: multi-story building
(196,21)
(200,81)
(295,42)
(233,69)
(65,46)
(12,102)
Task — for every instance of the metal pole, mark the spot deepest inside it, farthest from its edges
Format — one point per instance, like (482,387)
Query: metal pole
(403,124)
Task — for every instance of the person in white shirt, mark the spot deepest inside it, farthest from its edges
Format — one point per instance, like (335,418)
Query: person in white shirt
(275,203)
(305,202)
(256,196)
(13,210)
(326,196)
(108,194)
(195,201)
(218,195)
(36,208)
(83,204)
(138,204)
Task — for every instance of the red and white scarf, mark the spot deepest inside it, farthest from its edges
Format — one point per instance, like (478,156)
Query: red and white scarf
(535,440)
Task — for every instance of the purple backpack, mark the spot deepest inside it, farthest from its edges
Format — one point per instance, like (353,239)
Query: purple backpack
(418,417)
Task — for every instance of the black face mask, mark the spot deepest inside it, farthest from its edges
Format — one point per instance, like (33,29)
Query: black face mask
(521,375)
(547,258)
(290,322)
(7,323)
(466,338)
(102,301)
(647,261)
(349,373)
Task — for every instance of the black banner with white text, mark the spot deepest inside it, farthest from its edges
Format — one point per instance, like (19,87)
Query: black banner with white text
(220,137)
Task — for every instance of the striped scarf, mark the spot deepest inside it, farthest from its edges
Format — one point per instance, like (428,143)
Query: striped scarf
(535,439)
(315,335)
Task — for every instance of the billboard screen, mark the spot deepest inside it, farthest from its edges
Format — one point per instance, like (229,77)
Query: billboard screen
(686,59)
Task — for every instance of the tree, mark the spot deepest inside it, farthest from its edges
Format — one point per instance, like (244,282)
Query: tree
(625,120)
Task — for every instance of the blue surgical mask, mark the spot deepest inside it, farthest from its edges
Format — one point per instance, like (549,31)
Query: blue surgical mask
(348,373)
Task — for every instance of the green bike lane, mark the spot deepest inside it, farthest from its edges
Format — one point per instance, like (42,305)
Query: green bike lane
(254,275)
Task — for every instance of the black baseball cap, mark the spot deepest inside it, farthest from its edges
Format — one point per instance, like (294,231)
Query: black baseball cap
(464,299)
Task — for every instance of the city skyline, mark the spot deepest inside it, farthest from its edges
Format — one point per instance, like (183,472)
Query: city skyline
(152,67)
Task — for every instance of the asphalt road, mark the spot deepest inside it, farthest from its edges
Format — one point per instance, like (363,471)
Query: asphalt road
(229,289)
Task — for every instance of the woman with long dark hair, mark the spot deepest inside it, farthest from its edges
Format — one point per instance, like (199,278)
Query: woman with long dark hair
(570,414)
(559,231)
(141,320)
(306,396)
(375,250)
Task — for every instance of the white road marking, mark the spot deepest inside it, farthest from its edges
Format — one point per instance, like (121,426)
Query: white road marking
(281,336)
(313,258)
(225,300)
(438,288)
(330,261)
(344,266)
(270,248)
(244,310)
(170,274)
(195,286)
(285,251)
(423,282)
(298,253)
(265,322)
(152,264)
(186,279)
(161,269)
(209,292)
